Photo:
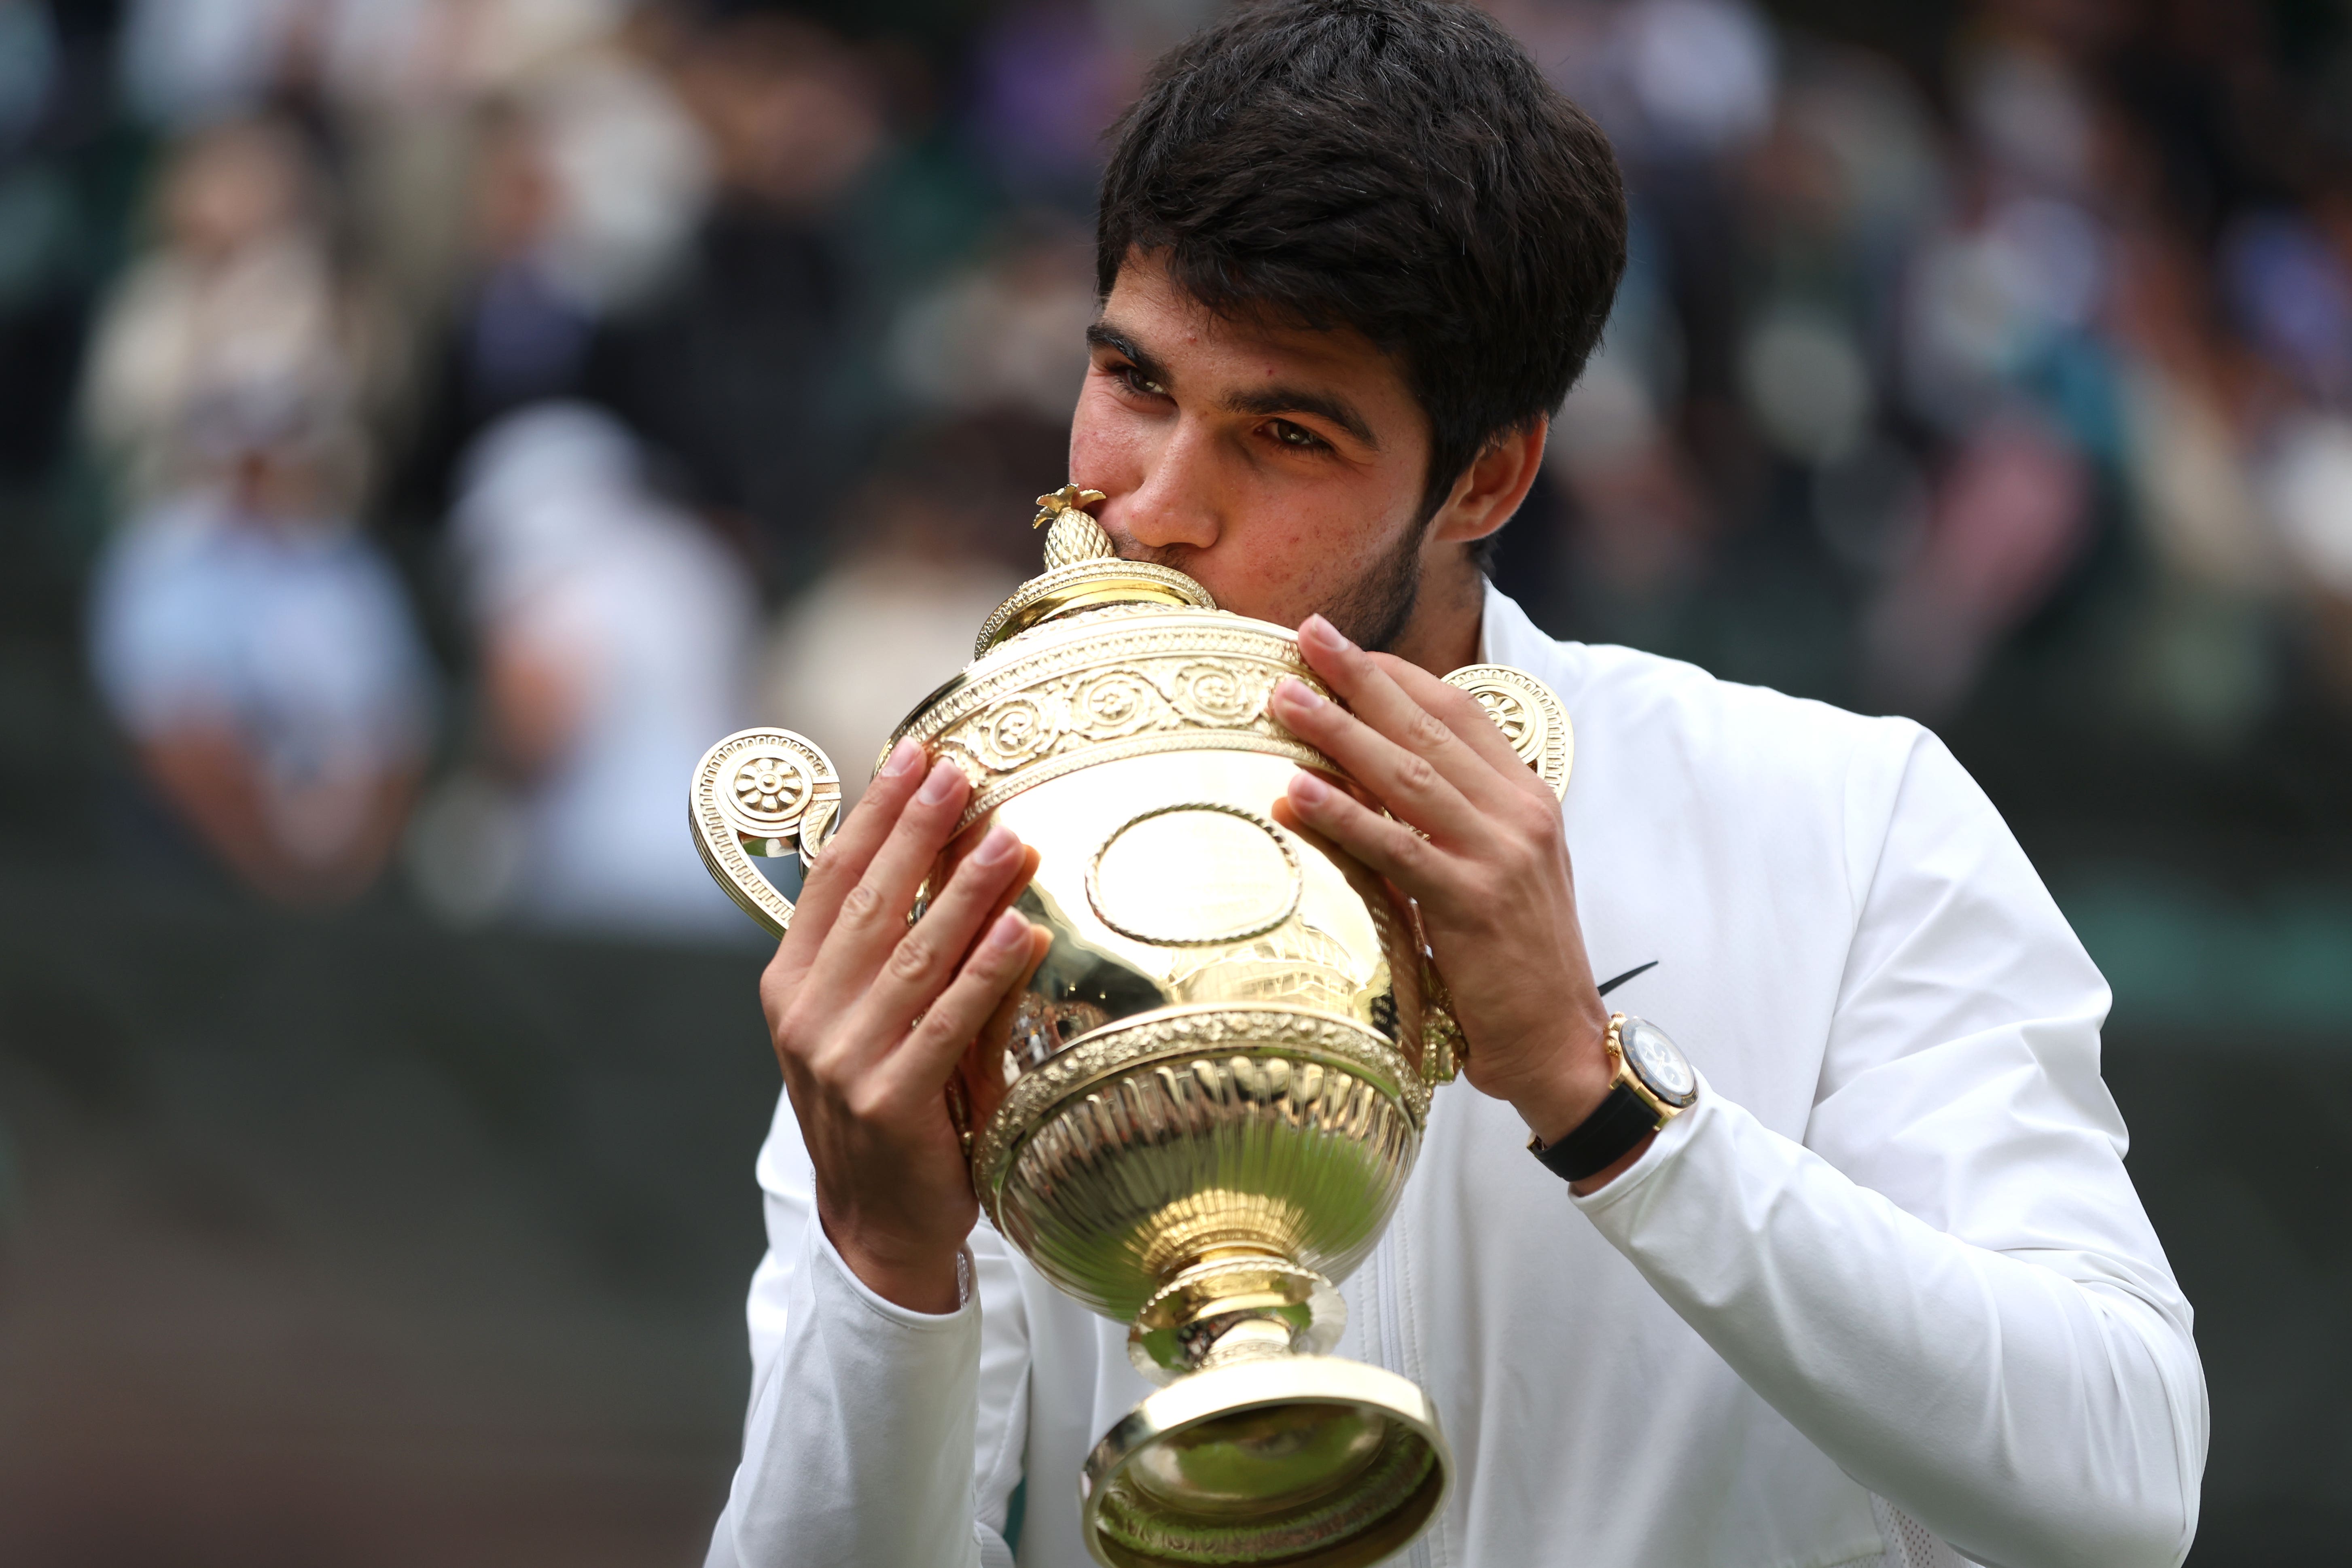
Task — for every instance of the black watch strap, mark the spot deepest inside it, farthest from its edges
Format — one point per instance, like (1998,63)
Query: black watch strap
(1601,1140)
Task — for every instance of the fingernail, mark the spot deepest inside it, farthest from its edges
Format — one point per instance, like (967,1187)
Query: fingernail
(995,848)
(1323,634)
(1298,694)
(1009,929)
(1308,790)
(944,777)
(903,758)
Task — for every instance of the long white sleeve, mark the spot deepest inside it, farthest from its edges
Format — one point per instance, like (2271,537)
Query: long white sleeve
(877,1438)
(1949,1288)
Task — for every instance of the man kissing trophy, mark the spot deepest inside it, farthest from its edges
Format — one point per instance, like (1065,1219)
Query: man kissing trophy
(1200,1109)
(1110,1019)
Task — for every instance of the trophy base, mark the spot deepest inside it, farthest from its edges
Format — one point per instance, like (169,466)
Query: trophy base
(1289,1460)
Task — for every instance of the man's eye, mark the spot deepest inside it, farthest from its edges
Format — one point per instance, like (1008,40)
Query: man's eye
(1139,384)
(1297,435)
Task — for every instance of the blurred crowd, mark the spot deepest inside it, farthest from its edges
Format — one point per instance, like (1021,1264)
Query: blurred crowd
(1907,370)
(481,406)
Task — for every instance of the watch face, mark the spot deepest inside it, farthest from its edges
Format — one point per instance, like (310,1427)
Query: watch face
(1658,1061)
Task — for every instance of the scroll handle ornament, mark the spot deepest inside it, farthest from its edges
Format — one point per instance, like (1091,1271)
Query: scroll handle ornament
(766,793)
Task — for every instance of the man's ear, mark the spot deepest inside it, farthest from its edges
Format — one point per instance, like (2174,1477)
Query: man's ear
(1493,485)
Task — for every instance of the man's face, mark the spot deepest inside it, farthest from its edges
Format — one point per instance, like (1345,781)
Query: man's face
(1283,468)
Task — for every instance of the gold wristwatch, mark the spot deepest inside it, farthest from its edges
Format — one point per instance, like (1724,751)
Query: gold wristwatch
(1651,1084)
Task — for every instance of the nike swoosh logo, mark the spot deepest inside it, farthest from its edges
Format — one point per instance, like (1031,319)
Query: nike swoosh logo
(1609,986)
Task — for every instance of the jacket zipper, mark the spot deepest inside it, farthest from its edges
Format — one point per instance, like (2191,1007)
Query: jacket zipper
(1389,1345)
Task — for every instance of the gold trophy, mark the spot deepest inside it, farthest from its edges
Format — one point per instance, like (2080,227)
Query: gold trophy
(1200,1111)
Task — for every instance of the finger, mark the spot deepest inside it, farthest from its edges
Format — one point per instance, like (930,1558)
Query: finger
(1416,865)
(982,1063)
(1401,777)
(1460,712)
(873,913)
(1365,682)
(863,833)
(1016,884)
(917,1070)
(836,870)
(925,958)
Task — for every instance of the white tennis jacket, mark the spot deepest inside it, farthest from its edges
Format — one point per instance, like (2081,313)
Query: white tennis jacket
(1884,1296)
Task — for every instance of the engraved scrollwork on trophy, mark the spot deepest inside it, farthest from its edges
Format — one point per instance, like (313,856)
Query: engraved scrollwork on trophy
(1216,694)
(765,793)
(1120,694)
(1116,704)
(1013,733)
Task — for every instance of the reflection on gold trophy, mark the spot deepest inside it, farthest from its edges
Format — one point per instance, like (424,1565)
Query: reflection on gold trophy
(1200,1113)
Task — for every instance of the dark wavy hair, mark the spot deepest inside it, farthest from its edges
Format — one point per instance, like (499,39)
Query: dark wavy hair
(1400,167)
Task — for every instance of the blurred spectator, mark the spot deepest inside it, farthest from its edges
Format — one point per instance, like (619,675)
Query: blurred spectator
(587,183)
(936,537)
(2194,404)
(2007,520)
(256,649)
(1617,456)
(2292,291)
(260,656)
(185,62)
(28,65)
(1048,76)
(50,111)
(2309,484)
(614,636)
(1007,334)
(1700,76)
(236,303)
(751,370)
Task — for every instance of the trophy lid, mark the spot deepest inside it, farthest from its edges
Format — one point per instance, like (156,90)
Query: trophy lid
(1083,572)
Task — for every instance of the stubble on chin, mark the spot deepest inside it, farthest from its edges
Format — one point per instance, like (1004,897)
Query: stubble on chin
(1372,610)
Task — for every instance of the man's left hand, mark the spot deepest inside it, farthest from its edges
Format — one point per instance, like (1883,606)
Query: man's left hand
(1489,868)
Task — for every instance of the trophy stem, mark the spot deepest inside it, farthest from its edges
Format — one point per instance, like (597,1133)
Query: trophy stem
(1252,1339)
(1235,1305)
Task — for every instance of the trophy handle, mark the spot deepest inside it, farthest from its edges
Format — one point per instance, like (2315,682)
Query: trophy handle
(1530,716)
(1443,1049)
(767,792)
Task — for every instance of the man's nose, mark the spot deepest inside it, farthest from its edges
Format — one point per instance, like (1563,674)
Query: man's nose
(1178,502)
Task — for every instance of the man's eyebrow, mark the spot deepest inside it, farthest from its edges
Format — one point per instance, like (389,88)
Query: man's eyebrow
(1269,400)
(1295,400)
(1103,335)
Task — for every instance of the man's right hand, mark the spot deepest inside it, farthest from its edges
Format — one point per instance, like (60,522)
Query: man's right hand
(870,1018)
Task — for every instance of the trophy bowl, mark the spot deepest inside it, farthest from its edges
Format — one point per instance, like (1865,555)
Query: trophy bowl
(1199,1113)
